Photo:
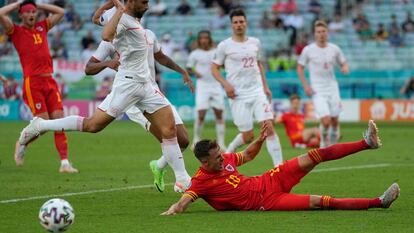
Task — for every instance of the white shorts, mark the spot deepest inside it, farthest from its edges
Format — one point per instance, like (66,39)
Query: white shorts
(207,98)
(326,105)
(127,93)
(246,110)
(135,115)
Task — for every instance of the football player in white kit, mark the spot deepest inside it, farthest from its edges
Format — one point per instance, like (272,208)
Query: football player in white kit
(209,93)
(131,88)
(97,63)
(321,58)
(245,85)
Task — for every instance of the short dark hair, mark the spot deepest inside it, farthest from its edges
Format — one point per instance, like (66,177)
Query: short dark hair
(237,12)
(202,148)
(25,2)
(294,97)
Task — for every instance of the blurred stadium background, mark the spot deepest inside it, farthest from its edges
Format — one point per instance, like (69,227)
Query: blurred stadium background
(381,59)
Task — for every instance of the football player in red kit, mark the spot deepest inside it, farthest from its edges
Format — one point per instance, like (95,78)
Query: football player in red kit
(220,184)
(40,91)
(294,122)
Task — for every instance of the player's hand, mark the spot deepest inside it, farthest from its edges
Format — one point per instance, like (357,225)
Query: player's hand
(171,211)
(264,130)
(119,5)
(230,91)
(113,64)
(268,93)
(345,69)
(188,81)
(308,90)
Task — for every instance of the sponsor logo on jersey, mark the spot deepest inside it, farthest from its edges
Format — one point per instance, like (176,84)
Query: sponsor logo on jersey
(229,168)
(40,28)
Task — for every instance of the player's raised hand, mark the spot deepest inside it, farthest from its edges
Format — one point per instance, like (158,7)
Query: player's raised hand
(229,91)
(119,5)
(264,130)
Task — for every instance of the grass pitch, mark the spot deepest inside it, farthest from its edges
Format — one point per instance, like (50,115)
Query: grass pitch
(111,192)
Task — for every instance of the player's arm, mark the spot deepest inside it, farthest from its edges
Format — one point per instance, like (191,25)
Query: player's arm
(57,13)
(254,148)
(166,61)
(109,30)
(342,61)
(98,13)
(95,66)
(301,73)
(266,88)
(5,20)
(215,70)
(180,206)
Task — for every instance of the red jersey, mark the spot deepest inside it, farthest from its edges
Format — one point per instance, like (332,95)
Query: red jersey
(33,48)
(294,125)
(227,189)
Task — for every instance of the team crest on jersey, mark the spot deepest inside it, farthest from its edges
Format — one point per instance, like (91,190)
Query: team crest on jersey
(40,28)
(38,106)
(229,168)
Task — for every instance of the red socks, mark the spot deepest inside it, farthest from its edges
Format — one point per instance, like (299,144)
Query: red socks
(337,151)
(61,144)
(328,202)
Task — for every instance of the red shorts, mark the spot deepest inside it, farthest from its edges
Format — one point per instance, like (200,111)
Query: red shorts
(279,182)
(41,94)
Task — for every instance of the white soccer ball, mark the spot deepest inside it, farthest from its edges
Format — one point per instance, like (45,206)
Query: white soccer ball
(56,215)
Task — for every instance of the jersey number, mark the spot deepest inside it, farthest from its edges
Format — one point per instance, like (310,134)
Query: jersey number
(233,181)
(37,38)
(247,62)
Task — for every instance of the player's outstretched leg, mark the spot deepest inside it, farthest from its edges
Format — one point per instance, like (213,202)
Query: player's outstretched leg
(384,201)
(371,141)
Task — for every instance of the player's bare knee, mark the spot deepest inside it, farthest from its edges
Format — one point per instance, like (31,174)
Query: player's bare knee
(168,131)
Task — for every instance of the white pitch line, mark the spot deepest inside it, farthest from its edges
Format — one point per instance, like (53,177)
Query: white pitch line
(78,193)
(151,185)
(352,167)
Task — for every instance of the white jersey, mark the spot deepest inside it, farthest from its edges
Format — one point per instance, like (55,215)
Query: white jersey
(240,60)
(132,45)
(107,49)
(201,60)
(321,63)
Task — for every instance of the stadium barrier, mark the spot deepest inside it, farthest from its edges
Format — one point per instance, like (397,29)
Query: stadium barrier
(353,110)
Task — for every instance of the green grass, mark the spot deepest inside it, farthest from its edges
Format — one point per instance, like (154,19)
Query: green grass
(119,156)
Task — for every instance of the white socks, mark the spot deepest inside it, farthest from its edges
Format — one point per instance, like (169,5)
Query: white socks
(333,135)
(162,162)
(274,149)
(197,131)
(64,162)
(236,143)
(324,136)
(70,123)
(220,134)
(172,153)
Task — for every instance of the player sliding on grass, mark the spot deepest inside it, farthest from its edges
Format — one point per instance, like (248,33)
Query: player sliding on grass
(98,62)
(132,87)
(220,184)
(40,92)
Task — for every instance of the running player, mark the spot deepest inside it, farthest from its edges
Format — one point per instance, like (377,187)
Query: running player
(132,87)
(40,91)
(97,63)
(220,184)
(209,93)
(294,122)
(321,58)
(246,85)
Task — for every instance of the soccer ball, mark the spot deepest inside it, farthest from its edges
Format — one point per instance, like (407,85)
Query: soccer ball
(56,215)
